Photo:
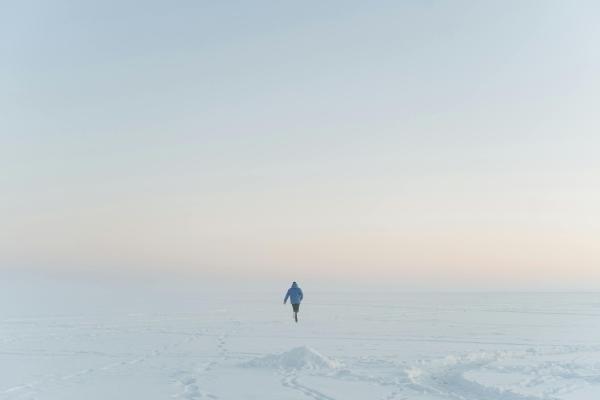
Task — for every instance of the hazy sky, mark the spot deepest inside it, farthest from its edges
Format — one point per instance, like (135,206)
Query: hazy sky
(418,143)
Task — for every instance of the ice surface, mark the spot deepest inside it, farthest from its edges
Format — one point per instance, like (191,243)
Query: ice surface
(113,343)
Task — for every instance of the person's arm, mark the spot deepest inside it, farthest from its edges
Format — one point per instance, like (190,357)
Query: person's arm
(287,295)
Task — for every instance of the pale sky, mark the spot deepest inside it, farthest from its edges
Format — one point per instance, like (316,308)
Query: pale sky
(424,143)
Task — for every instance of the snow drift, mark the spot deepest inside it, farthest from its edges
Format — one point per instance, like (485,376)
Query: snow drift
(298,358)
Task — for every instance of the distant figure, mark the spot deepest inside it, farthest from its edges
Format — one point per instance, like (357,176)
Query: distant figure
(295,295)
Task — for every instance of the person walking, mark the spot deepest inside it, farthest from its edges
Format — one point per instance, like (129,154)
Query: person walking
(295,295)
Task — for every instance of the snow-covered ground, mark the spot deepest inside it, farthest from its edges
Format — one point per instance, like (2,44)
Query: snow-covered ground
(368,345)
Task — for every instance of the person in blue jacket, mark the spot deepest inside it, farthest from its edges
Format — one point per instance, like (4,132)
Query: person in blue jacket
(295,295)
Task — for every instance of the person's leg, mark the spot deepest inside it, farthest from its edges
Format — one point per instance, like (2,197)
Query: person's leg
(296,308)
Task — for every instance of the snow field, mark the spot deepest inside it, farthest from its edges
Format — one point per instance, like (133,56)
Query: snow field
(367,346)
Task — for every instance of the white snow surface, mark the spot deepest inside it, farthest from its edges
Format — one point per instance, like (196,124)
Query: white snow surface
(98,342)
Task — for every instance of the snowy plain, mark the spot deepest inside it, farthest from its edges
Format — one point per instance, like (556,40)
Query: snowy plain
(104,342)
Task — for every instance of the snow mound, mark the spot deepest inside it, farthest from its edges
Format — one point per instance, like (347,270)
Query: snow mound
(298,358)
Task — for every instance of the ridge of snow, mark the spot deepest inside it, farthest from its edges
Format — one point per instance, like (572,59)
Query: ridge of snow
(298,358)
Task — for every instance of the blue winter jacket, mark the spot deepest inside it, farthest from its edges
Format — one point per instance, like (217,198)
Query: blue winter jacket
(294,294)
